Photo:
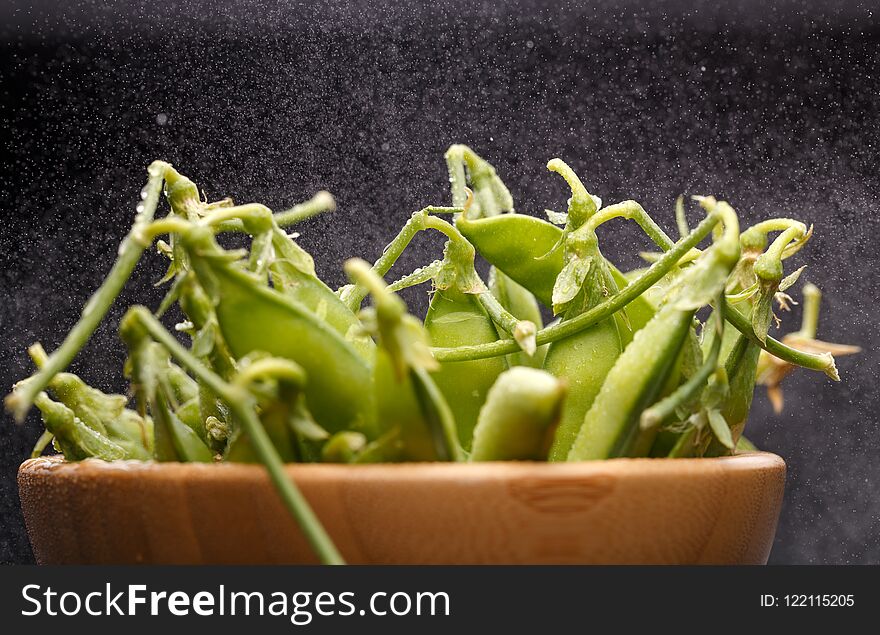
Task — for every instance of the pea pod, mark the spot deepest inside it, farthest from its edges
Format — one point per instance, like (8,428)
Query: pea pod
(584,359)
(525,248)
(519,417)
(456,317)
(489,198)
(75,439)
(610,427)
(253,317)
(105,414)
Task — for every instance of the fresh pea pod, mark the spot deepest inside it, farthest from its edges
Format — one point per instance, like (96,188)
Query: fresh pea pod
(253,317)
(456,318)
(584,359)
(75,439)
(525,248)
(519,417)
(103,413)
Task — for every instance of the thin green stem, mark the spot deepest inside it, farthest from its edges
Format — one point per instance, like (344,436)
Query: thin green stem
(253,212)
(167,225)
(631,210)
(446,228)
(355,295)
(810,315)
(419,276)
(581,205)
(523,332)
(822,361)
(778,246)
(321,202)
(318,204)
(243,406)
(21,399)
(600,312)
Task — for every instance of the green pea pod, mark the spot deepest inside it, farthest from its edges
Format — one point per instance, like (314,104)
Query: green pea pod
(293,273)
(253,317)
(519,417)
(611,426)
(174,440)
(456,318)
(75,439)
(585,358)
(190,414)
(525,248)
(398,407)
(522,305)
(103,413)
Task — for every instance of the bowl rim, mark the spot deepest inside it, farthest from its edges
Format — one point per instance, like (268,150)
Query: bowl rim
(56,466)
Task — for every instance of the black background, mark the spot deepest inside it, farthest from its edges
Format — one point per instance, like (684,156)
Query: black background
(774,106)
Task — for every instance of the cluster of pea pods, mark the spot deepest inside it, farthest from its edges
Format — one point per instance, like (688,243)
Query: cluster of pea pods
(279,367)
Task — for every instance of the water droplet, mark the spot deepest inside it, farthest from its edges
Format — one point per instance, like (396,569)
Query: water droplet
(386,146)
(530,44)
(161,119)
(140,208)
(144,194)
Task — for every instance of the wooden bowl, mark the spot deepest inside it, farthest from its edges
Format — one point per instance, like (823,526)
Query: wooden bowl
(658,511)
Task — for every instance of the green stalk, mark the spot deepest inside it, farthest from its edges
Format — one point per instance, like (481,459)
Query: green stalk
(631,210)
(243,406)
(22,397)
(354,295)
(318,204)
(523,331)
(600,312)
(419,276)
(822,361)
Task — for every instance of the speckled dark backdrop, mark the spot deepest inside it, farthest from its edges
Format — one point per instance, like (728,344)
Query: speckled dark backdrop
(774,107)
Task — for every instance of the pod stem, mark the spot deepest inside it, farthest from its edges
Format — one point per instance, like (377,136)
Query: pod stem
(600,312)
(419,276)
(242,405)
(631,210)
(522,331)
(810,316)
(581,205)
(22,397)
(353,296)
(318,204)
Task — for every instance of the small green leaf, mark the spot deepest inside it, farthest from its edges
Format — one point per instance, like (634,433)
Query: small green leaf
(720,428)
(790,279)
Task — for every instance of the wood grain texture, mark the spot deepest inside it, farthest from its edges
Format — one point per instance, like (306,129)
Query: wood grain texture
(657,511)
